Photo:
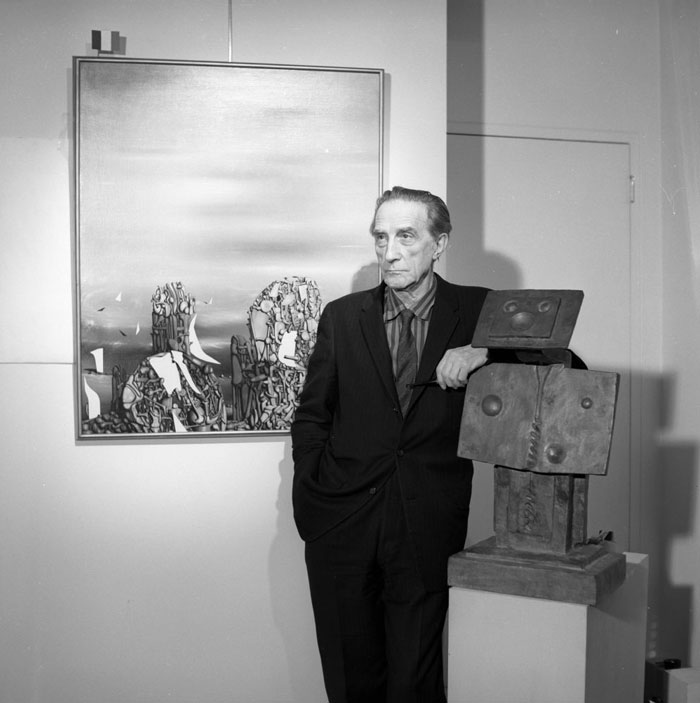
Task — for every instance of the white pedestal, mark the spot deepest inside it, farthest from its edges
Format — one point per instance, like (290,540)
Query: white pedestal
(683,686)
(513,649)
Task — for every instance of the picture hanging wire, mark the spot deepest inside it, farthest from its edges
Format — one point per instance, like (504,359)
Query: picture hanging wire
(230,31)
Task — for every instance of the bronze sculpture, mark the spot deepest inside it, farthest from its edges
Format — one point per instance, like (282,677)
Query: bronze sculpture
(546,427)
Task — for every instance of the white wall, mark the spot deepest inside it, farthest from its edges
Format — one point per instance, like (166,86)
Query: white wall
(154,571)
(678,500)
(151,571)
(584,70)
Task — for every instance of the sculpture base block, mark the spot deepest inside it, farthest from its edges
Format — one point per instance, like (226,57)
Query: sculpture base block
(585,574)
(513,649)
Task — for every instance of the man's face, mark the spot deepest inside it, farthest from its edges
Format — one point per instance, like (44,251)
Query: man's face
(405,249)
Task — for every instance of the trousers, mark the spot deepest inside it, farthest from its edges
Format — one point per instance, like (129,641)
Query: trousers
(379,631)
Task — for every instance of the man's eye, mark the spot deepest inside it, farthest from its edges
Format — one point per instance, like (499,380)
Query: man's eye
(380,240)
(406,237)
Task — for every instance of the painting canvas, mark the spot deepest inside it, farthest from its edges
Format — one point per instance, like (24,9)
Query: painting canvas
(218,207)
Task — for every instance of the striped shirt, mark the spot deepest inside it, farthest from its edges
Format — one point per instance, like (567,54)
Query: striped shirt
(421,321)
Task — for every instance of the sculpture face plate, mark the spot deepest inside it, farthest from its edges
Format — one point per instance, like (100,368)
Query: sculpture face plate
(548,419)
(528,319)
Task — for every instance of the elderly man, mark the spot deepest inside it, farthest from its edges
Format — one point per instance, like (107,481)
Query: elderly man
(380,496)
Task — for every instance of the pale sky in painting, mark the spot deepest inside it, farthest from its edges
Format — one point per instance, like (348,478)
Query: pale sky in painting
(225,179)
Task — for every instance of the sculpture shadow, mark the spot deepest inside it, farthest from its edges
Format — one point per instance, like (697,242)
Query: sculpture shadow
(676,479)
(669,484)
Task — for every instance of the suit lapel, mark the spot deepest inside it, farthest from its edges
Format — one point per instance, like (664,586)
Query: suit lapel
(374,332)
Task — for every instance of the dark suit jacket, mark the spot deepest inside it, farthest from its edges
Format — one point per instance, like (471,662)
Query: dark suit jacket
(349,435)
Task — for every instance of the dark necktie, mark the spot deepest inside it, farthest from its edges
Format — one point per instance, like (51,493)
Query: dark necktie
(406,359)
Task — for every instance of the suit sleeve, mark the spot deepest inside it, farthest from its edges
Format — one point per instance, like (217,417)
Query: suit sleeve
(314,416)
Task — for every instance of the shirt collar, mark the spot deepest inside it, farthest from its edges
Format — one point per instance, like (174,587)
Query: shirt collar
(421,309)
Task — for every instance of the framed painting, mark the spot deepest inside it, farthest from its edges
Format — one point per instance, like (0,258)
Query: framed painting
(218,207)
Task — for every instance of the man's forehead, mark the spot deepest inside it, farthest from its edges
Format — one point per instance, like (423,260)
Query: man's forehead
(401,213)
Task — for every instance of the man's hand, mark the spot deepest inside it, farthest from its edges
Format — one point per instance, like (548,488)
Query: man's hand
(456,365)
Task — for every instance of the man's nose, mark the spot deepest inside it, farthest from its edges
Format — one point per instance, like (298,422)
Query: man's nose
(392,250)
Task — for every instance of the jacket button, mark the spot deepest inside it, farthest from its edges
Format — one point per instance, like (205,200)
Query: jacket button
(400,452)
(372,491)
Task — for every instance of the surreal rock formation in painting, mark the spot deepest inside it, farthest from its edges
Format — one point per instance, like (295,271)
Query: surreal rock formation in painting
(180,388)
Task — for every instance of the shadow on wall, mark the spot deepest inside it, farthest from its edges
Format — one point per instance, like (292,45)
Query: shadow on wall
(675,480)
(291,603)
(365,278)
(669,484)
(485,268)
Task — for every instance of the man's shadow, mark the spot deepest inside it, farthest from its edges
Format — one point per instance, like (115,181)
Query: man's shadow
(289,590)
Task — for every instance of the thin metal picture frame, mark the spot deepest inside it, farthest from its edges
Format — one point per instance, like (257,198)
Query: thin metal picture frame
(217,208)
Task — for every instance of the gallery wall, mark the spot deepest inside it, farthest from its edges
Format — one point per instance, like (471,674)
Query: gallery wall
(153,571)
(149,571)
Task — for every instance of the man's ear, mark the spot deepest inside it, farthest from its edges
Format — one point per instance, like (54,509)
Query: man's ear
(441,243)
